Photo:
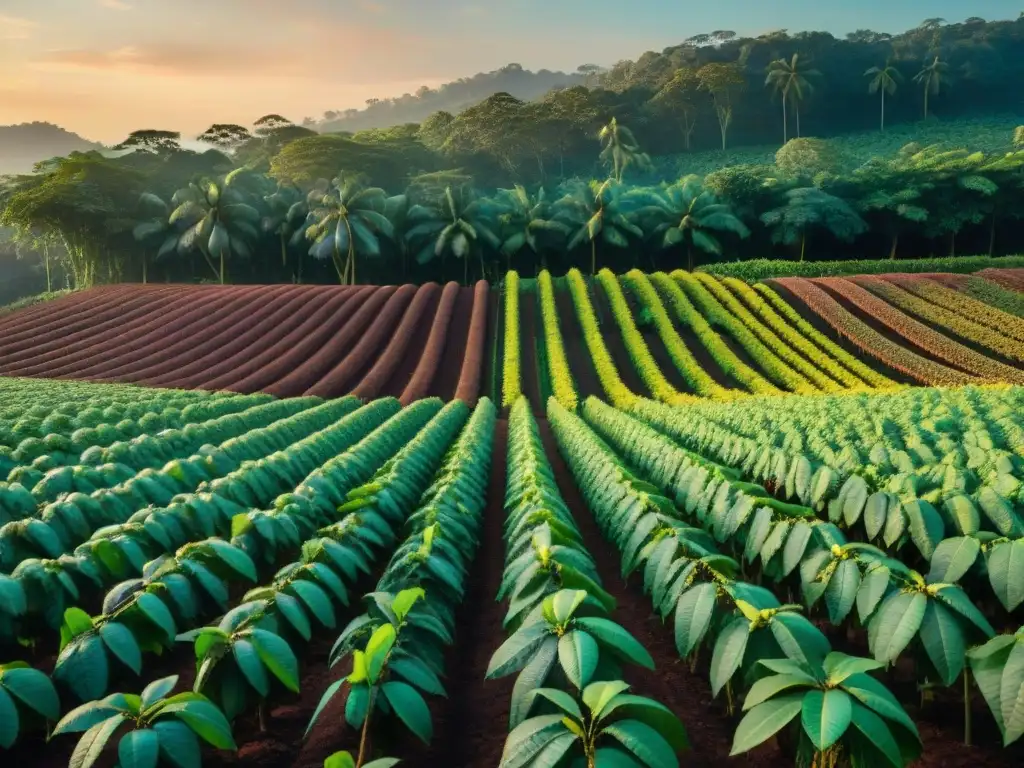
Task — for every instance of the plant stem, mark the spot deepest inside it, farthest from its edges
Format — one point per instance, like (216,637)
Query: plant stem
(967,706)
(364,736)
(261,712)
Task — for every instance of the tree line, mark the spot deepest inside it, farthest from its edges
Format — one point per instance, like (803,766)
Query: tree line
(570,179)
(171,215)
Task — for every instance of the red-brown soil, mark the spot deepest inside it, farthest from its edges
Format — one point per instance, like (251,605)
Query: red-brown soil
(285,340)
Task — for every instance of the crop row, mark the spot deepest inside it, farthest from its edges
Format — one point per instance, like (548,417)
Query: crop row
(866,338)
(130,529)
(921,335)
(961,303)
(511,371)
(613,386)
(181,581)
(687,365)
(891,498)
(775,302)
(992,294)
(781,347)
(767,359)
(639,353)
(121,462)
(690,317)
(252,645)
(562,383)
(569,701)
(396,649)
(751,634)
(927,615)
(820,356)
(935,315)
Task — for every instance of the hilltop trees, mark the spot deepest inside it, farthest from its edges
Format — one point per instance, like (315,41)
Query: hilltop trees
(792,81)
(884,80)
(932,77)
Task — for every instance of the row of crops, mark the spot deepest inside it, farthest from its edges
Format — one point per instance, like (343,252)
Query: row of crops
(679,337)
(242,535)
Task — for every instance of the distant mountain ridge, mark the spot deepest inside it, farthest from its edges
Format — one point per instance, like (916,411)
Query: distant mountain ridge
(25,144)
(450,97)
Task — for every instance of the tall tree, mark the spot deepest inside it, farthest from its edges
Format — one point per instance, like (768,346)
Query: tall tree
(931,77)
(216,220)
(724,82)
(807,208)
(792,80)
(348,220)
(225,136)
(687,215)
(155,228)
(619,149)
(527,222)
(678,99)
(460,223)
(152,141)
(286,208)
(884,80)
(597,210)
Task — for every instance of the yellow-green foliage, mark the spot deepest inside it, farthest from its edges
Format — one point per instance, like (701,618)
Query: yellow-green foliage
(820,358)
(720,317)
(558,366)
(767,337)
(709,337)
(511,378)
(618,393)
(639,353)
(872,377)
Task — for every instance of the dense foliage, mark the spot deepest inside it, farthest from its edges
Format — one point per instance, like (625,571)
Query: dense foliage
(253,207)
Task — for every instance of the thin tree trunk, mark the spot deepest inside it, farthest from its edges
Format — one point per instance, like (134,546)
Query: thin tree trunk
(144,276)
(883,108)
(222,266)
(895,243)
(46,264)
(689,257)
(483,271)
(465,269)
(926,102)
(803,245)
(284,252)
(593,257)
(785,122)
(796,107)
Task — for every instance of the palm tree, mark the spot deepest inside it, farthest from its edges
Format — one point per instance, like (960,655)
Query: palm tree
(155,227)
(620,149)
(456,224)
(597,208)
(216,220)
(347,219)
(286,210)
(932,76)
(527,222)
(884,80)
(793,81)
(685,213)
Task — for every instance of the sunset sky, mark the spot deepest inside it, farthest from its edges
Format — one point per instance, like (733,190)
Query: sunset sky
(102,68)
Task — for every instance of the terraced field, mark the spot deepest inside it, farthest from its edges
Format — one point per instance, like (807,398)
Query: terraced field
(647,519)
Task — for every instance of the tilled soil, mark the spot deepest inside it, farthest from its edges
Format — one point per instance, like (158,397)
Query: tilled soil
(471,724)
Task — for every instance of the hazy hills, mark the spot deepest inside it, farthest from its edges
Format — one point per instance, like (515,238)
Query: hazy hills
(450,97)
(23,145)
